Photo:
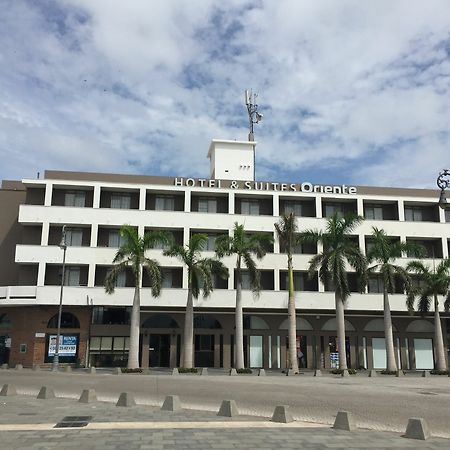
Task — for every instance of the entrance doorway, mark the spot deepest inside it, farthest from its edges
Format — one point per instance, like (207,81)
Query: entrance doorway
(159,350)
(204,350)
(4,349)
(334,351)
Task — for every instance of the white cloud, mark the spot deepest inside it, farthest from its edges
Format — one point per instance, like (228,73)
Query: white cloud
(142,86)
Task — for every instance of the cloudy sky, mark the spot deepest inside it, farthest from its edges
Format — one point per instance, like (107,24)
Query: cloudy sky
(352,92)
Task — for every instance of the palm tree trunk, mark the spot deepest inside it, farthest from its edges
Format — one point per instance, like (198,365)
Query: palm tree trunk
(441,363)
(239,344)
(293,362)
(133,353)
(391,365)
(340,324)
(188,352)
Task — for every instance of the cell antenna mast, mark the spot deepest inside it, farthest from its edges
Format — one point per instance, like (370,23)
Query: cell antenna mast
(253,115)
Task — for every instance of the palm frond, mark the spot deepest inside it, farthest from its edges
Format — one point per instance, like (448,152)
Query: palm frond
(153,269)
(112,275)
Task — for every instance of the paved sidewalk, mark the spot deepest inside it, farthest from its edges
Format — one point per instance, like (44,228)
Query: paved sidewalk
(145,427)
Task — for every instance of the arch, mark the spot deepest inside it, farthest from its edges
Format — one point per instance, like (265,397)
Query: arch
(68,320)
(207,322)
(420,326)
(331,325)
(5,321)
(377,325)
(255,323)
(160,321)
(302,324)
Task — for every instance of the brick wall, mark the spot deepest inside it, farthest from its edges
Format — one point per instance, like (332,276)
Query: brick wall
(26,321)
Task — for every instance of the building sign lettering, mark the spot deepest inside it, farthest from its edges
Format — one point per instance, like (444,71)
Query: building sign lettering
(305,187)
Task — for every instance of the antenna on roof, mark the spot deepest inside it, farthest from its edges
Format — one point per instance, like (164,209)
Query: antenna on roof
(253,115)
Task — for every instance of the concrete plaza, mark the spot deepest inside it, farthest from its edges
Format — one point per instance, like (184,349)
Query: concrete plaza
(382,403)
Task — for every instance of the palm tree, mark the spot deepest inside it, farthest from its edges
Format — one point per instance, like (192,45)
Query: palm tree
(287,231)
(200,273)
(383,253)
(435,282)
(338,251)
(244,246)
(131,255)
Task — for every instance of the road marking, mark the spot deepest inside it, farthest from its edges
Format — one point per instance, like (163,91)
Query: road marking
(159,425)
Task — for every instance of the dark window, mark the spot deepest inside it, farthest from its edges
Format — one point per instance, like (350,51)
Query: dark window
(68,320)
(160,321)
(202,321)
(110,316)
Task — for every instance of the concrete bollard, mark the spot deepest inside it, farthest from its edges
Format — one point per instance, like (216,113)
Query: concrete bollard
(171,403)
(281,414)
(228,408)
(175,371)
(344,421)
(68,369)
(233,372)
(5,366)
(399,373)
(92,370)
(204,371)
(45,393)
(126,399)
(317,373)
(36,367)
(117,371)
(261,373)
(417,429)
(19,367)
(345,373)
(88,396)
(372,373)
(7,390)
(425,374)
(291,372)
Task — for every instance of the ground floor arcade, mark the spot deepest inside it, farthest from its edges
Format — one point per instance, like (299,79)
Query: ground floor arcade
(99,337)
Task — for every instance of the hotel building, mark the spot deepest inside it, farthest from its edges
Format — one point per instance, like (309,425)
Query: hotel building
(95,327)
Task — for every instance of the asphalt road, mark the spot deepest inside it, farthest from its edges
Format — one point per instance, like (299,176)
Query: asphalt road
(382,403)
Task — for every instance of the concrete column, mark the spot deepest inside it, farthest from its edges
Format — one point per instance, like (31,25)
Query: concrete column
(275,362)
(309,352)
(184,281)
(227,351)
(94,235)
(44,235)
(91,275)
(352,340)
(217,350)
(319,207)
(283,351)
(359,207)
(276,243)
(412,354)
(276,205)
(141,230)
(321,285)
(326,352)
(187,201)
(362,243)
(48,194)
(266,352)
(173,351)
(96,197)
(142,198)
(318,361)
(186,232)
(401,211)
(369,353)
(444,247)
(41,274)
(441,215)
(231,200)
(276,281)
(145,351)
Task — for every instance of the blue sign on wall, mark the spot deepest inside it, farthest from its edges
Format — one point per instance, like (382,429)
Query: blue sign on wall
(67,345)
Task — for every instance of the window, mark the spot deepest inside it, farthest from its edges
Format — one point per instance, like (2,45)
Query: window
(207,205)
(74,237)
(375,285)
(293,207)
(413,214)
(120,201)
(211,244)
(332,208)
(115,239)
(76,198)
(121,279)
(103,315)
(161,245)
(374,212)
(447,215)
(23,348)
(164,203)
(299,282)
(167,281)
(246,282)
(68,320)
(250,207)
(72,276)
(204,343)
